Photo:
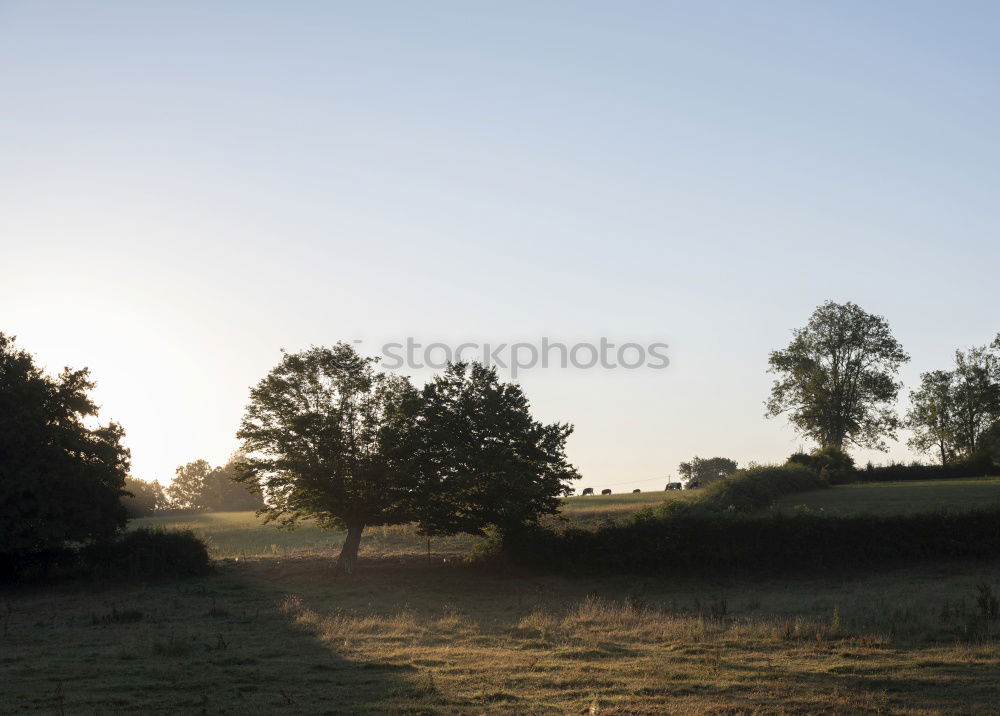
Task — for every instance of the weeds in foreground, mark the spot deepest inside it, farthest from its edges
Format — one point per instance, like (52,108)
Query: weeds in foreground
(986,600)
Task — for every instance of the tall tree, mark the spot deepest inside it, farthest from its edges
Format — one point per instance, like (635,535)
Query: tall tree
(837,378)
(141,498)
(61,475)
(932,415)
(187,490)
(199,486)
(478,460)
(223,492)
(705,471)
(320,438)
(976,395)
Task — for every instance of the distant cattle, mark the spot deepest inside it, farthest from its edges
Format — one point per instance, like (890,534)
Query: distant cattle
(673,486)
(605,492)
(588,491)
(636,490)
(692,485)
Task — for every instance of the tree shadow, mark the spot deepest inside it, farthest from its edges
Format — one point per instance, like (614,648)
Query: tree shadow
(218,644)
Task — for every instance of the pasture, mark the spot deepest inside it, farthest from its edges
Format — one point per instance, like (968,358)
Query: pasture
(243,535)
(954,495)
(274,631)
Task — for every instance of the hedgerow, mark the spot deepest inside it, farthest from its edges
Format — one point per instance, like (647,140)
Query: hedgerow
(715,542)
(727,529)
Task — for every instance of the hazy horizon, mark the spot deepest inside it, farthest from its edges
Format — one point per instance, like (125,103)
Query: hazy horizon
(186,190)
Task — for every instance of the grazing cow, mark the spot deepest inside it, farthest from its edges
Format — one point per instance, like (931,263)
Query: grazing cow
(673,485)
(605,491)
(636,490)
(693,485)
(588,491)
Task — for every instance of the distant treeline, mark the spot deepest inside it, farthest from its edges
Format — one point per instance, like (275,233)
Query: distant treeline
(196,487)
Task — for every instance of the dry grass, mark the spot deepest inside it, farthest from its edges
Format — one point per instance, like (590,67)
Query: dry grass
(284,636)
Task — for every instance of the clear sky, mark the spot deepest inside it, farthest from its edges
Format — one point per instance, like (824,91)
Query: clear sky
(188,187)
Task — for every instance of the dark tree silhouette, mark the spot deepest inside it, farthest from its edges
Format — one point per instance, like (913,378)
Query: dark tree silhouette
(477,458)
(931,416)
(705,471)
(837,378)
(320,438)
(60,480)
(328,437)
(975,396)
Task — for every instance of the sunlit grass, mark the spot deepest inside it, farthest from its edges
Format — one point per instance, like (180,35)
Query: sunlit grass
(283,635)
(278,632)
(244,535)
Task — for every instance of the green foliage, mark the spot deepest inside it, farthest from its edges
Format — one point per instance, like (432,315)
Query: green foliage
(956,414)
(60,478)
(728,530)
(716,542)
(186,490)
(320,438)
(831,463)
(145,554)
(142,498)
(975,397)
(705,471)
(980,466)
(932,415)
(198,486)
(751,489)
(477,459)
(837,378)
(224,493)
(138,554)
(327,437)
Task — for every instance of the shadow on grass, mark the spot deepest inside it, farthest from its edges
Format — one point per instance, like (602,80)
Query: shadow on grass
(286,636)
(218,644)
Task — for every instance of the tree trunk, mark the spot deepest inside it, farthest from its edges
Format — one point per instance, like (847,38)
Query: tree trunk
(349,552)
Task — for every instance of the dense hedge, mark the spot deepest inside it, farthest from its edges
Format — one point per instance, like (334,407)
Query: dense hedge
(703,541)
(140,554)
(719,532)
(916,471)
(148,553)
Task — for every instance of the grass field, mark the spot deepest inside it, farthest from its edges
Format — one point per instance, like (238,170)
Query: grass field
(282,635)
(278,633)
(242,534)
(898,497)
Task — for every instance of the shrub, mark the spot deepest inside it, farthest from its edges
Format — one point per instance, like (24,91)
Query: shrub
(34,566)
(717,533)
(898,472)
(752,489)
(142,554)
(61,473)
(831,462)
(712,542)
(146,553)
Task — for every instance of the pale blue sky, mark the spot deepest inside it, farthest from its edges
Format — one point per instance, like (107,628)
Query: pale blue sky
(185,188)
